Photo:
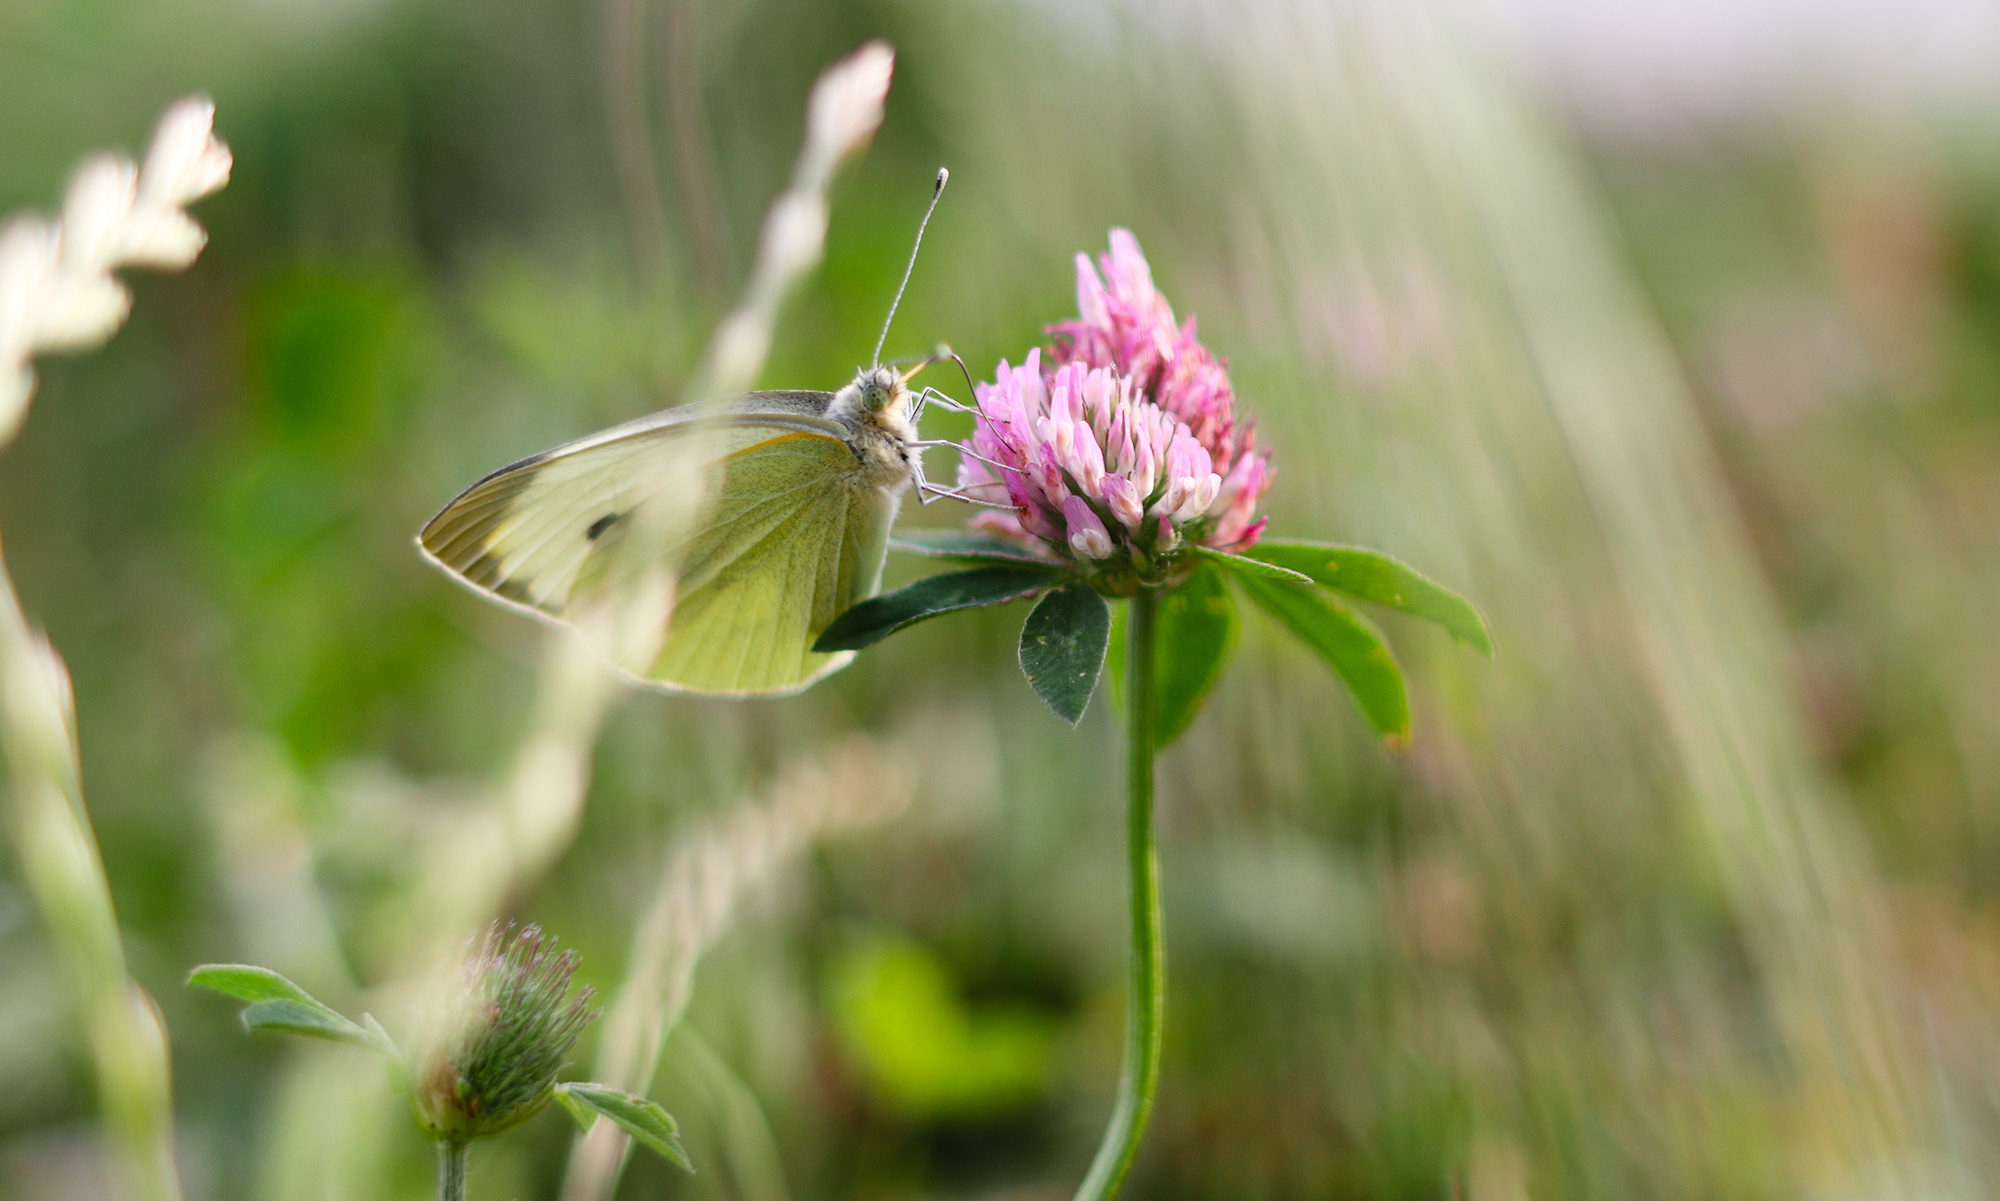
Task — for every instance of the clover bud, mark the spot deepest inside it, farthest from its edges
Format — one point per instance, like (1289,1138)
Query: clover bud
(503,1026)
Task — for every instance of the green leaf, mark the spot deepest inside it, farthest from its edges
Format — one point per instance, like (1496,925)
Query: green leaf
(381,1040)
(1348,642)
(875,619)
(584,1116)
(278,1004)
(1252,569)
(312,1021)
(976,545)
(1194,631)
(1062,648)
(1384,580)
(640,1118)
(247,982)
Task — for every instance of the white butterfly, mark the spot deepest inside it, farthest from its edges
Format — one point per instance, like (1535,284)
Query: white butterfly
(798,493)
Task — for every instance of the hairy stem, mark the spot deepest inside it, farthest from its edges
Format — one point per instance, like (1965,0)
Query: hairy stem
(452,1156)
(1140,1076)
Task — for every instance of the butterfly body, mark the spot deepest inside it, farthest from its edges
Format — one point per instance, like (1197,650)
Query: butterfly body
(795,495)
(877,411)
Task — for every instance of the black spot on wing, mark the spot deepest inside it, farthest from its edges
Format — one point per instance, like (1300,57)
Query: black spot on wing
(602,524)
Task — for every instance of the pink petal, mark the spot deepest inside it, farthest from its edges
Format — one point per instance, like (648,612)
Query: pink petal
(1087,535)
(1127,503)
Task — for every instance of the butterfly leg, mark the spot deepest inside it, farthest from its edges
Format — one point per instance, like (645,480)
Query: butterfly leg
(960,447)
(932,396)
(926,493)
(925,488)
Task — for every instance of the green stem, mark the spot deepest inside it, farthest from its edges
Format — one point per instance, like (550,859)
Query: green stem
(451,1169)
(1147,1001)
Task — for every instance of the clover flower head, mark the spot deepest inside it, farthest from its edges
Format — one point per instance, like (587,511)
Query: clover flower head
(502,1029)
(1120,446)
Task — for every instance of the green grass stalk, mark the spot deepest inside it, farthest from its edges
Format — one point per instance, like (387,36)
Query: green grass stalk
(50,830)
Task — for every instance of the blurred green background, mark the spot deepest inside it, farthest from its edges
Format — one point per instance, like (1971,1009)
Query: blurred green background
(1673,337)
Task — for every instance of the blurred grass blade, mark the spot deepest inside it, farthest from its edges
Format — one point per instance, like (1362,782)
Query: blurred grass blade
(1062,648)
(1383,580)
(278,1004)
(748,1146)
(642,1119)
(875,619)
(702,880)
(1195,634)
(1252,569)
(1348,642)
(42,808)
(975,545)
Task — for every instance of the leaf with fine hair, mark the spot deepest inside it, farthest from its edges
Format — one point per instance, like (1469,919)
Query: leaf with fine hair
(972,545)
(1251,569)
(1382,579)
(1062,648)
(280,1005)
(642,1119)
(1349,643)
(312,1021)
(875,619)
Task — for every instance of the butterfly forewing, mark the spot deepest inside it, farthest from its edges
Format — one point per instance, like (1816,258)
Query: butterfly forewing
(780,538)
(526,532)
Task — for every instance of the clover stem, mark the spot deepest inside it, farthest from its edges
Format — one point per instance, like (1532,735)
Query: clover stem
(452,1155)
(1147,999)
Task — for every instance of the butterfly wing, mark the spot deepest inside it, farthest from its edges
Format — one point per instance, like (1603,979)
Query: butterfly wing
(793,542)
(785,540)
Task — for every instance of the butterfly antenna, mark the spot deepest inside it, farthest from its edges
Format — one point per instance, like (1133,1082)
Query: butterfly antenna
(937,191)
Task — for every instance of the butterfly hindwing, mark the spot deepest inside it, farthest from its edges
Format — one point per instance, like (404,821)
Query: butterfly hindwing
(783,554)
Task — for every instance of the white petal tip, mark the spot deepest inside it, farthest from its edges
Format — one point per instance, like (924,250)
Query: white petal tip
(846,104)
(186,162)
(99,199)
(81,312)
(164,239)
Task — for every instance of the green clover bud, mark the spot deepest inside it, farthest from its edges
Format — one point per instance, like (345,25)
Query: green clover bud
(503,1029)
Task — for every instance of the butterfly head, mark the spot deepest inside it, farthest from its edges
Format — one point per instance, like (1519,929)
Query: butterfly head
(881,389)
(878,399)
